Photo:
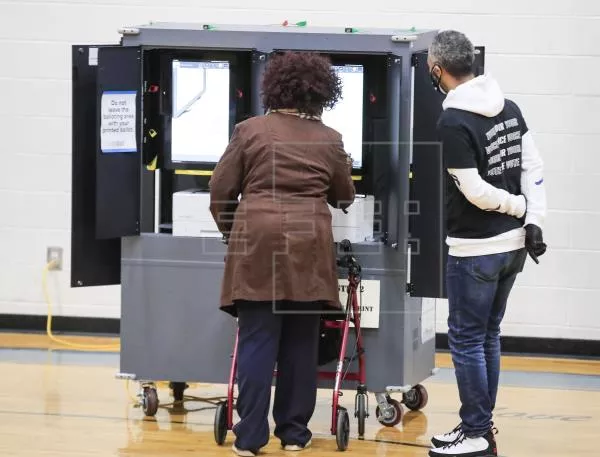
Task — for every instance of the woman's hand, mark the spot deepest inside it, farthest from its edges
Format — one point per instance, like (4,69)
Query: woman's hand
(349,161)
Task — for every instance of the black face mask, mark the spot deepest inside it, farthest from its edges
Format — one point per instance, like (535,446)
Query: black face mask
(436,81)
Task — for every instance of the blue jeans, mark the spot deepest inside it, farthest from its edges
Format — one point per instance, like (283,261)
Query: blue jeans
(478,289)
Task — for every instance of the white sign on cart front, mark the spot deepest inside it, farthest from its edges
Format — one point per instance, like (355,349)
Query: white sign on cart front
(368,296)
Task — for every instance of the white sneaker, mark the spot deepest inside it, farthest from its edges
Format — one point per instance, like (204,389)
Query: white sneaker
(243,452)
(446,438)
(297,447)
(484,446)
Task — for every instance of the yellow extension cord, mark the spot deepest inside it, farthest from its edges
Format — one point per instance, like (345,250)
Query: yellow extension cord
(82,347)
(49,319)
(78,346)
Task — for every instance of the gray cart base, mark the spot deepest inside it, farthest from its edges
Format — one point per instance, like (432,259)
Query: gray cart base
(172,328)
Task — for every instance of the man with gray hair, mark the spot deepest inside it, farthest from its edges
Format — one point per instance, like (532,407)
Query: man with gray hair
(496,205)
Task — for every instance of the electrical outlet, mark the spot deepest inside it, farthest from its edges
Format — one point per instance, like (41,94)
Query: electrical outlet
(55,253)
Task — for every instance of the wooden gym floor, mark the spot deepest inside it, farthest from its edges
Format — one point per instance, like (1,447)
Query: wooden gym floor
(56,402)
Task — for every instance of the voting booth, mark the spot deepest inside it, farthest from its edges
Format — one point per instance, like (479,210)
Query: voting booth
(152,116)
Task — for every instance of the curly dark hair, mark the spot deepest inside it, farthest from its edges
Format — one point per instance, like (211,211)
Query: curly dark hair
(304,81)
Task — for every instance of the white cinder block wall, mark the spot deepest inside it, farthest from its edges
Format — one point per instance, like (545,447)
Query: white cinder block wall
(545,55)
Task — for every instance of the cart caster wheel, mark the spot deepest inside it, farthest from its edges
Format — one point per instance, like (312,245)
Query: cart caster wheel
(220,425)
(361,414)
(150,401)
(396,416)
(178,389)
(342,433)
(416,398)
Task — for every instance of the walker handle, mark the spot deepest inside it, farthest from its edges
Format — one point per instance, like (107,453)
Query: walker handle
(346,245)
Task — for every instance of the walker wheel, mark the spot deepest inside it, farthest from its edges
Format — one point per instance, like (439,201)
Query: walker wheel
(220,425)
(361,413)
(416,398)
(395,418)
(342,432)
(150,401)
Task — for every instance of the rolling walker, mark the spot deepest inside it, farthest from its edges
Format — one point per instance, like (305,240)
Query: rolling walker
(389,411)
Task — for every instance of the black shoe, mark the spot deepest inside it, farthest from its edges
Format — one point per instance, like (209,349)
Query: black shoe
(484,446)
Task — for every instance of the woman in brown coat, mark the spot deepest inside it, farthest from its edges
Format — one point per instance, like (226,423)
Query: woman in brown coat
(280,271)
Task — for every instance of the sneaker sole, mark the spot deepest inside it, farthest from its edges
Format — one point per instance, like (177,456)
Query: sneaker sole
(242,452)
(487,455)
(295,448)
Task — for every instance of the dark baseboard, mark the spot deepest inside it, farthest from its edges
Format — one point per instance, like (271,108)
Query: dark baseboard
(92,325)
(539,346)
(96,325)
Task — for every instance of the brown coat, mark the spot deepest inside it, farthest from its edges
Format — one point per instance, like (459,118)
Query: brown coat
(280,238)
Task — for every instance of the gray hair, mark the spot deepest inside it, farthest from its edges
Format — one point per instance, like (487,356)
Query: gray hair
(454,52)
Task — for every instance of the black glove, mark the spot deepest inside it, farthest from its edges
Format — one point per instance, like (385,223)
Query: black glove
(534,242)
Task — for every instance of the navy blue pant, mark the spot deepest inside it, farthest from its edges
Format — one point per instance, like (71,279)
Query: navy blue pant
(478,289)
(291,341)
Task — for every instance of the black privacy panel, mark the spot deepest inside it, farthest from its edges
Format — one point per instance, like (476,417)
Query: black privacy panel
(94,262)
(427,196)
(427,218)
(118,153)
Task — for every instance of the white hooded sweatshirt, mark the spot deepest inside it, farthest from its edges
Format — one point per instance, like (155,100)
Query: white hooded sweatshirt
(482,95)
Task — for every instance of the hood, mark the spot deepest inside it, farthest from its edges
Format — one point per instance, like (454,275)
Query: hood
(481,95)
